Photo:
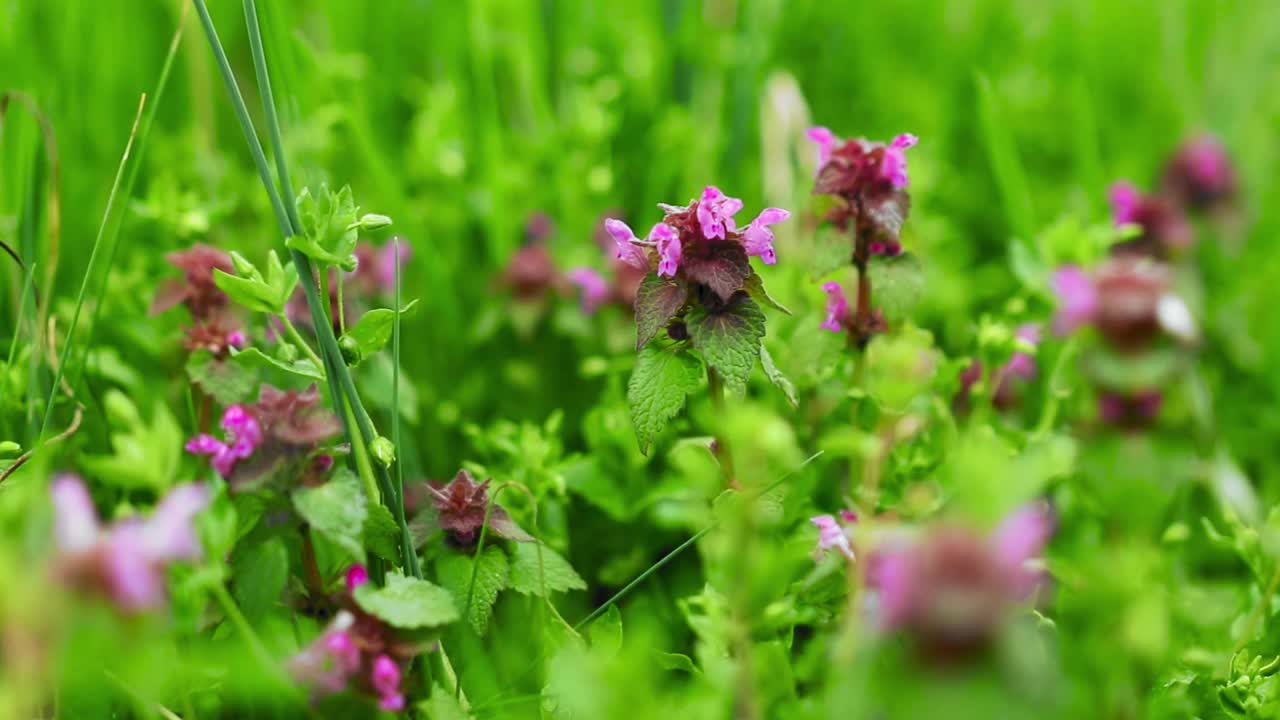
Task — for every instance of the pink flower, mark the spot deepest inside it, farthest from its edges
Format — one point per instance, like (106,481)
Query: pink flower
(237,339)
(894,165)
(127,560)
(837,307)
(1077,299)
(832,535)
(669,248)
(826,142)
(343,650)
(357,575)
(1023,365)
(623,238)
(1126,201)
(595,289)
(757,239)
(328,663)
(385,678)
(715,213)
(244,435)
(889,573)
(1022,537)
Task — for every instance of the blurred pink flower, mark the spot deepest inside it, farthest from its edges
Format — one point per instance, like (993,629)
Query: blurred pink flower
(837,307)
(595,288)
(623,237)
(386,681)
(1077,299)
(243,433)
(894,164)
(757,239)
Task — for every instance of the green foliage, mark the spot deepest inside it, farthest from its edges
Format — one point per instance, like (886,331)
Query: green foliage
(408,603)
(538,570)
(251,290)
(226,382)
(253,358)
(329,227)
(491,572)
(145,453)
(259,575)
(372,331)
(662,379)
(658,301)
(336,510)
(729,339)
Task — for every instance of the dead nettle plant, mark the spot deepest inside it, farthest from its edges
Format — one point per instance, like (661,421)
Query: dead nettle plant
(698,306)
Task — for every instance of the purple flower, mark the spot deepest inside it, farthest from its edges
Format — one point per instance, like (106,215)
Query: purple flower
(832,535)
(1126,202)
(385,678)
(237,339)
(244,435)
(357,575)
(889,573)
(595,289)
(757,239)
(1077,299)
(1020,538)
(1022,365)
(669,248)
(826,142)
(715,213)
(837,307)
(623,238)
(343,650)
(126,561)
(327,664)
(894,165)
(1136,410)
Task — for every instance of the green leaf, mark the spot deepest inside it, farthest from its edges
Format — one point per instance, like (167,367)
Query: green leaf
(249,289)
(255,358)
(145,454)
(776,377)
(373,331)
(260,574)
(381,534)
(897,284)
(755,288)
(658,300)
(676,661)
(660,382)
(226,382)
(606,633)
(407,603)
(729,339)
(218,526)
(553,574)
(329,227)
(336,510)
(442,706)
(493,574)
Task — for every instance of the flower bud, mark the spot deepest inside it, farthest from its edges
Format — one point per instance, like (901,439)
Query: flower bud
(351,354)
(243,267)
(383,450)
(372,221)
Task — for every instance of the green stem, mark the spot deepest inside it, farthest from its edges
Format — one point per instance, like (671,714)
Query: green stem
(300,341)
(244,628)
(363,465)
(715,387)
(342,309)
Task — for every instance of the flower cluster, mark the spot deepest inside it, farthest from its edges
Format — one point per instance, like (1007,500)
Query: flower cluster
(1200,176)
(125,562)
(214,328)
(869,182)
(953,588)
(1163,229)
(704,240)
(461,505)
(284,425)
(357,651)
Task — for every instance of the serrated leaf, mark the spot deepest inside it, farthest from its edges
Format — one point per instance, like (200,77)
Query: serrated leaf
(329,231)
(657,301)
(553,573)
(381,534)
(260,574)
(255,358)
(721,266)
(729,339)
(660,382)
(407,603)
(755,288)
(336,510)
(227,382)
(776,377)
(493,575)
(373,331)
(897,284)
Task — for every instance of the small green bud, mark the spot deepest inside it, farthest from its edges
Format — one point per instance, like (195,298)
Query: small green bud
(373,221)
(351,354)
(9,447)
(286,352)
(383,450)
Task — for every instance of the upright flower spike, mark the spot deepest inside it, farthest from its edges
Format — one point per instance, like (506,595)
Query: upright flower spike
(460,509)
(126,561)
(715,213)
(757,239)
(1200,175)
